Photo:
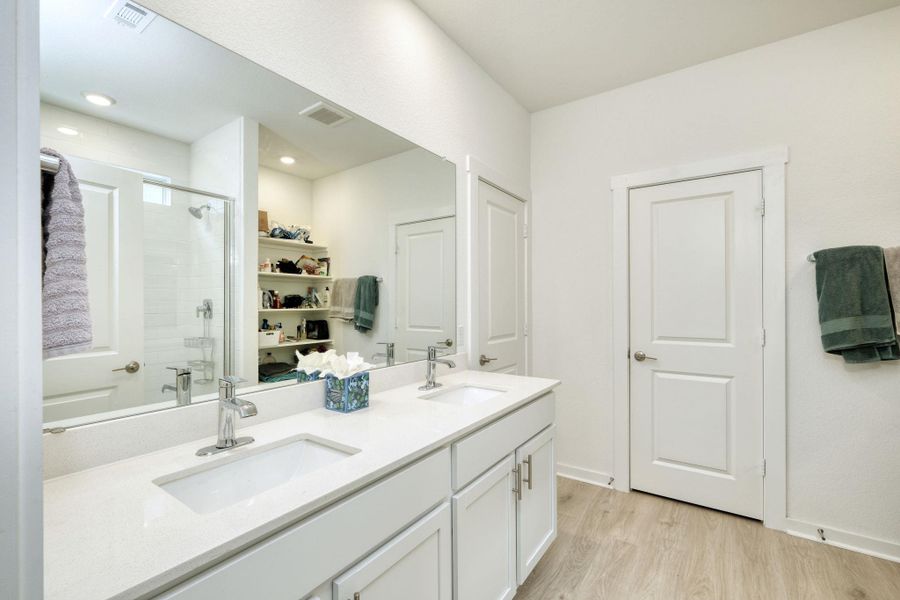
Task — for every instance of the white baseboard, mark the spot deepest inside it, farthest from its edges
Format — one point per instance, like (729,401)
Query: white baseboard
(584,475)
(844,539)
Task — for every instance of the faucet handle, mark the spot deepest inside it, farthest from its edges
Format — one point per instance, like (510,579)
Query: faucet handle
(180,370)
(232,379)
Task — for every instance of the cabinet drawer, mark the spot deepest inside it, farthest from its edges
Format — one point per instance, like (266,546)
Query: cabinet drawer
(475,454)
(291,564)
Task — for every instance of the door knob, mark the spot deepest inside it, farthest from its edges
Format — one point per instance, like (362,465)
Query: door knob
(448,342)
(483,360)
(641,356)
(132,367)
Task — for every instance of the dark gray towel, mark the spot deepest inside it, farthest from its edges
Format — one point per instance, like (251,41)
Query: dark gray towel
(66,314)
(854,307)
(366,303)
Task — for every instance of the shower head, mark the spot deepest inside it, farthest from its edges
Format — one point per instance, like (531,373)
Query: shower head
(197,211)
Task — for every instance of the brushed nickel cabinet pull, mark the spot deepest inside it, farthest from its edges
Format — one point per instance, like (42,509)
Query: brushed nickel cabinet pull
(517,490)
(528,479)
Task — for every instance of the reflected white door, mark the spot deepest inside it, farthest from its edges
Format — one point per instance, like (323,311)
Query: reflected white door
(88,382)
(696,313)
(501,281)
(426,286)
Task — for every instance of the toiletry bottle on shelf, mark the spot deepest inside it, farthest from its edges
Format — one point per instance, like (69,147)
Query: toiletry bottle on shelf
(302,329)
(326,297)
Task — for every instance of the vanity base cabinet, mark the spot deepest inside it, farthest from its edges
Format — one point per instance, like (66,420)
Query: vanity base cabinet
(536,514)
(416,564)
(484,536)
(290,564)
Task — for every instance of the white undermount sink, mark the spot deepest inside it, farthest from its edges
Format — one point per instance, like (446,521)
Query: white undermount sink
(464,394)
(209,488)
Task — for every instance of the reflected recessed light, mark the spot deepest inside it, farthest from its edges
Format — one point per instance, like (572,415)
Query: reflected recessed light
(67,130)
(287,160)
(98,99)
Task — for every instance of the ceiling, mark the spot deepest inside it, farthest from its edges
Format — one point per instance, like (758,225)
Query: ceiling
(172,82)
(548,52)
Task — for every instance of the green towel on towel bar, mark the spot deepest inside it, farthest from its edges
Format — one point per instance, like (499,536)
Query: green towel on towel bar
(854,306)
(365,304)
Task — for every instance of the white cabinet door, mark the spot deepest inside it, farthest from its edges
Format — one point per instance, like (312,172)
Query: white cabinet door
(484,543)
(536,520)
(415,564)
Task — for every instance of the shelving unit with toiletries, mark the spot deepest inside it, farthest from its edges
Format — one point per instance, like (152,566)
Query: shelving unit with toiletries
(311,291)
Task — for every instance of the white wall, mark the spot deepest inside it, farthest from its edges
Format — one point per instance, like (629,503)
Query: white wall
(287,198)
(118,145)
(21,570)
(355,211)
(225,162)
(385,61)
(832,96)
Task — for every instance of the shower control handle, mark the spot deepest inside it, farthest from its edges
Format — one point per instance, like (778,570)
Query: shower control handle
(132,367)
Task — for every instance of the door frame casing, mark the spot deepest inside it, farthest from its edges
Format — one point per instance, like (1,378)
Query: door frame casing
(519,189)
(772,165)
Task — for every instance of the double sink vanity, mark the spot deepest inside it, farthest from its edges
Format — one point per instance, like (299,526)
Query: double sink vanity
(446,493)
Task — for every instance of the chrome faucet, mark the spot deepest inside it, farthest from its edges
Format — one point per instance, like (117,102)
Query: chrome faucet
(182,387)
(431,368)
(229,406)
(387,355)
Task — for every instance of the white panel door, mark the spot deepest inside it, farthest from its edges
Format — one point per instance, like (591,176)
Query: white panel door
(501,281)
(426,286)
(536,517)
(696,313)
(87,382)
(415,565)
(484,542)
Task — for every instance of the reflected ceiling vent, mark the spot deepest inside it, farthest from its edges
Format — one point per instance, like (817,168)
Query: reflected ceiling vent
(130,14)
(326,114)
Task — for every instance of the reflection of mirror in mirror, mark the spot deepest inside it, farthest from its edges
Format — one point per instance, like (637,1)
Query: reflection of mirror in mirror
(232,220)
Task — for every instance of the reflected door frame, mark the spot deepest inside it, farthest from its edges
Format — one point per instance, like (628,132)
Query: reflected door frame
(772,164)
(478,173)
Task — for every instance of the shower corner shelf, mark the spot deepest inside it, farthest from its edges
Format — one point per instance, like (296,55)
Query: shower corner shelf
(199,342)
(292,244)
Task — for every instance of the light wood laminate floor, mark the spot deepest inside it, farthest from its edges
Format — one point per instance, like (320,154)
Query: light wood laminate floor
(617,546)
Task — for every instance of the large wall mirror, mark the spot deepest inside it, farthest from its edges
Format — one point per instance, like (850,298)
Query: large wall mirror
(231,218)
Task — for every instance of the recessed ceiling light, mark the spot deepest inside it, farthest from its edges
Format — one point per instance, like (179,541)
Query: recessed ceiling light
(287,160)
(67,130)
(98,99)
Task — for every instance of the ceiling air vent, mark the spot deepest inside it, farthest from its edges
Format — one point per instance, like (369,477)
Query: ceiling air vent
(131,14)
(326,114)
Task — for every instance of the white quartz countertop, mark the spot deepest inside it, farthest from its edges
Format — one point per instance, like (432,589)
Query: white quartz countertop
(110,532)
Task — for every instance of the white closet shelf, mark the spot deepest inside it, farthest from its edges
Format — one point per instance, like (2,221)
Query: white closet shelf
(292,244)
(293,310)
(294,276)
(296,344)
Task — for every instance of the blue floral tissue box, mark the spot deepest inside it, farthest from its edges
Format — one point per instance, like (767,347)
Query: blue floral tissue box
(348,394)
(303,376)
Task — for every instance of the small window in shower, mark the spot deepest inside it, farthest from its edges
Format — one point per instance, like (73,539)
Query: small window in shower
(153,194)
